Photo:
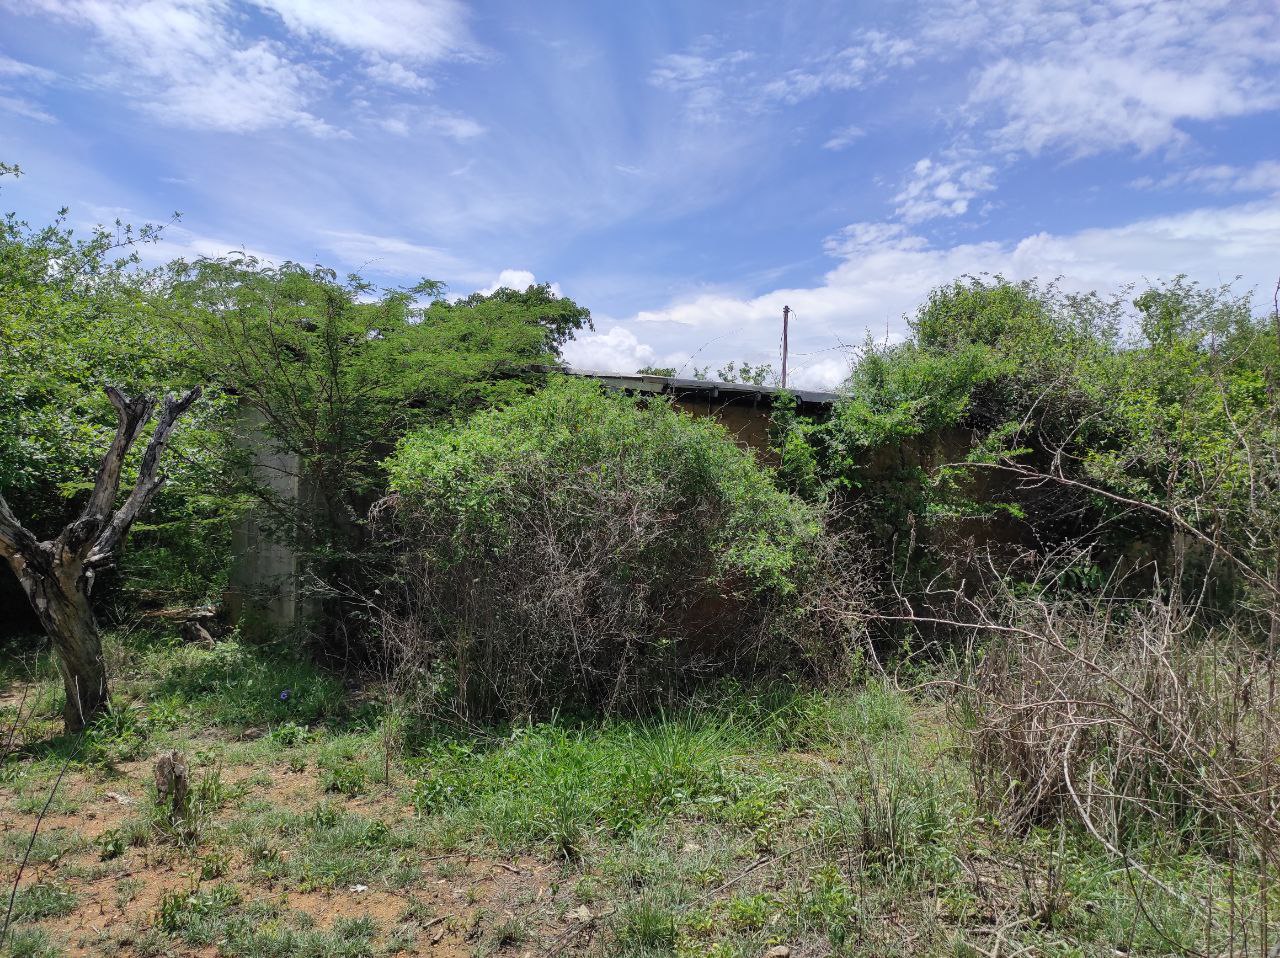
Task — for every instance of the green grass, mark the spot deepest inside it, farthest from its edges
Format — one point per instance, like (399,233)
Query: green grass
(219,917)
(841,822)
(42,900)
(30,943)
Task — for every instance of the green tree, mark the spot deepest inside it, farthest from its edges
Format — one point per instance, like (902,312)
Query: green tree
(1081,418)
(76,331)
(761,374)
(337,370)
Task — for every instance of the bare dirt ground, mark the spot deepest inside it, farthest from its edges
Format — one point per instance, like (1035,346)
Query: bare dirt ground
(458,903)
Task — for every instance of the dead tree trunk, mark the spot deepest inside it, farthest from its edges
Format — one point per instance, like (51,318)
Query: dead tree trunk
(57,574)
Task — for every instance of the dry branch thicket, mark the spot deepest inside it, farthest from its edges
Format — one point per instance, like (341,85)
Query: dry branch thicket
(588,551)
(612,605)
(1150,724)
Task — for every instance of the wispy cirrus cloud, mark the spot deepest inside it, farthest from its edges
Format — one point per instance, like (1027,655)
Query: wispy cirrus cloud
(710,85)
(16,76)
(1261,177)
(422,31)
(20,106)
(844,137)
(190,63)
(9,67)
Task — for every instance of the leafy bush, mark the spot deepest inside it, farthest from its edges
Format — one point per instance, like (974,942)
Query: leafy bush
(1024,417)
(590,549)
(78,312)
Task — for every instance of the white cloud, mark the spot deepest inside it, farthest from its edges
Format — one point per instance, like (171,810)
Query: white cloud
(1053,75)
(1112,74)
(885,272)
(402,119)
(184,63)
(422,30)
(454,125)
(391,73)
(517,279)
(1262,177)
(22,75)
(681,71)
(936,189)
(395,125)
(1100,102)
(844,137)
(615,351)
(859,238)
(9,67)
(710,86)
(188,62)
(20,106)
(869,59)
(716,85)
(392,255)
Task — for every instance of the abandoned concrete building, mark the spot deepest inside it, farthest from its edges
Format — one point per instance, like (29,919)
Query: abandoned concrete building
(265,576)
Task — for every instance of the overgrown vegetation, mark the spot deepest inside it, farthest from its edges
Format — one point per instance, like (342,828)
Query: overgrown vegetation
(1017,415)
(841,820)
(986,666)
(625,548)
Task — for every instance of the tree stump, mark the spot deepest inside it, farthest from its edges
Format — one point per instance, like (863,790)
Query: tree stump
(172,782)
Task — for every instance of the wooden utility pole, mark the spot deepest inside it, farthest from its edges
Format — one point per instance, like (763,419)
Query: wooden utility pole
(786,315)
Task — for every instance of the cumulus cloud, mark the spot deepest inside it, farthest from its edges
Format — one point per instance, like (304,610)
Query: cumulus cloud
(936,188)
(884,272)
(617,350)
(184,63)
(517,279)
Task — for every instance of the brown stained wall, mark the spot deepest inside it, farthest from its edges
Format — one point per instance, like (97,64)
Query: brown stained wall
(748,424)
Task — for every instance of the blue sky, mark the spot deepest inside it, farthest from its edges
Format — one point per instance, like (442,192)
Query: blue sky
(683,168)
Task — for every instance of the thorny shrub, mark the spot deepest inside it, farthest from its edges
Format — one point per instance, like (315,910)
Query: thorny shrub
(1156,732)
(592,550)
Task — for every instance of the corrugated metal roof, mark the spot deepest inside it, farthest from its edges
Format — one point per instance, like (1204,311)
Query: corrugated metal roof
(636,382)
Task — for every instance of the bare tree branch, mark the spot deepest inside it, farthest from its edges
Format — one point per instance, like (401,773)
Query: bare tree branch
(150,479)
(133,415)
(16,542)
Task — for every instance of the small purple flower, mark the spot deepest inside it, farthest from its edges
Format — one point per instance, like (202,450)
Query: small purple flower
(284,696)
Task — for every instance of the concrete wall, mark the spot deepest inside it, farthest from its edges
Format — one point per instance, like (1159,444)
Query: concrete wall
(266,568)
(263,587)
